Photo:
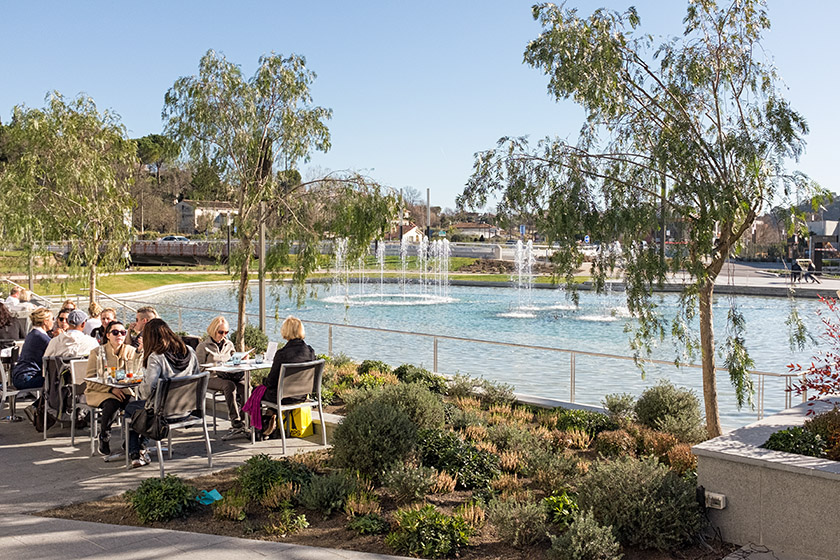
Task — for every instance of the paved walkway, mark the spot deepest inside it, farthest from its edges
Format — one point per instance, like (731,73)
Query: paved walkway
(39,475)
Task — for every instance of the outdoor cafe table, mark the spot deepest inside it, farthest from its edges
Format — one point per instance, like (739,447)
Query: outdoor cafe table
(246,367)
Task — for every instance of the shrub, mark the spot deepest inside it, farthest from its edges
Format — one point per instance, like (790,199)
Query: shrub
(254,338)
(285,522)
(231,506)
(315,461)
(495,392)
(423,407)
(447,452)
(462,386)
(162,499)
(560,508)
(620,407)
(408,483)
(327,493)
(373,434)
(797,440)
(507,484)
(461,419)
(279,495)
(550,470)
(518,522)
(369,524)
(428,533)
(475,432)
(373,365)
(473,513)
(510,461)
(651,442)
(338,359)
(824,424)
(585,539)
(261,472)
(681,459)
(408,373)
(587,421)
(646,504)
(670,409)
(511,437)
(444,483)
(615,443)
(574,438)
(361,503)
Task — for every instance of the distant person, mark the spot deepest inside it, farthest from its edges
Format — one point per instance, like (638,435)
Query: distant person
(27,374)
(68,304)
(105,317)
(810,275)
(93,322)
(795,271)
(14,297)
(72,342)
(10,327)
(141,317)
(214,348)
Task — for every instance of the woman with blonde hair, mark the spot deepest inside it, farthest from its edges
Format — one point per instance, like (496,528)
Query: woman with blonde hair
(215,348)
(27,372)
(93,321)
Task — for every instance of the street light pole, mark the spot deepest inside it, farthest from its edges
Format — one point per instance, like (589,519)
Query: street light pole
(262,266)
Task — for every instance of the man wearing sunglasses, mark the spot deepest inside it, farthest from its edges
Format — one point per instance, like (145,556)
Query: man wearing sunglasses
(73,341)
(143,316)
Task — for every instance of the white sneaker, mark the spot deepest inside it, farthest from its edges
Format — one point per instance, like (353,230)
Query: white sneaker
(234,433)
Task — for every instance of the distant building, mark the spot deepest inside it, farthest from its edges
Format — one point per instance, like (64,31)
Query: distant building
(199,216)
(471,229)
(411,233)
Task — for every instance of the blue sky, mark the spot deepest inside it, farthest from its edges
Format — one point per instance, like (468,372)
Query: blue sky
(416,88)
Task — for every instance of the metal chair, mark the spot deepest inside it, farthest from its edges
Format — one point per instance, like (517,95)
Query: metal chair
(298,381)
(55,381)
(7,391)
(181,400)
(78,370)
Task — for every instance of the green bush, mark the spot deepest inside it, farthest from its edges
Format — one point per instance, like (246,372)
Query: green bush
(797,440)
(824,424)
(162,499)
(585,539)
(421,405)
(231,506)
(560,508)
(511,437)
(327,493)
(368,366)
(593,423)
(620,407)
(495,392)
(428,533)
(372,435)
(461,386)
(254,338)
(285,522)
(670,409)
(338,359)
(615,443)
(518,522)
(408,373)
(261,472)
(646,504)
(370,524)
(447,452)
(549,469)
(408,483)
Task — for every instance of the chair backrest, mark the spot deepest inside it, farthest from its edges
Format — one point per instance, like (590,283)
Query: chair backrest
(180,396)
(53,368)
(78,369)
(299,380)
(5,387)
(270,351)
(191,341)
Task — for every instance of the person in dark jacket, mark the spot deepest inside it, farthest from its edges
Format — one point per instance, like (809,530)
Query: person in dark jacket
(10,327)
(27,372)
(294,352)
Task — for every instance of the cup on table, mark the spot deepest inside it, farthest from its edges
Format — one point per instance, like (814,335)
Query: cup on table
(236,360)
(259,358)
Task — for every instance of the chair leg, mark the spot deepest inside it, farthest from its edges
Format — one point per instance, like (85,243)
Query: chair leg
(73,428)
(323,424)
(213,398)
(207,443)
(126,421)
(282,430)
(169,444)
(160,455)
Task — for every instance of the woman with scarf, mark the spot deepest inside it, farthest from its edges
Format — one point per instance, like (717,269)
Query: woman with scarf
(214,349)
(164,356)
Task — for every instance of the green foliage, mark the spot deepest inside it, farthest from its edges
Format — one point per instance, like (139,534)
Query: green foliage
(495,392)
(421,405)
(338,359)
(370,524)
(585,539)
(408,373)
(797,440)
(254,338)
(588,421)
(447,452)
(560,508)
(260,473)
(646,504)
(231,506)
(408,483)
(620,407)
(285,522)
(461,385)
(518,522)
(673,410)
(551,470)
(372,435)
(162,499)
(428,533)
(511,437)
(327,493)
(615,443)
(373,365)
(825,424)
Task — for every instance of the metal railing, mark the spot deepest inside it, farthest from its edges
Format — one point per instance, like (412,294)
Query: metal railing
(761,376)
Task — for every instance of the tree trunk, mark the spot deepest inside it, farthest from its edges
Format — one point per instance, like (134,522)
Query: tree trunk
(92,282)
(707,347)
(242,296)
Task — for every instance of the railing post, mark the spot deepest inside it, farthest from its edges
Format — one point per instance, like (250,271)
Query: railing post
(329,341)
(435,359)
(572,377)
(180,321)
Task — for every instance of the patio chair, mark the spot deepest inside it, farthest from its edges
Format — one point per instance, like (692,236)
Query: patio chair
(181,399)
(56,381)
(7,391)
(78,370)
(299,386)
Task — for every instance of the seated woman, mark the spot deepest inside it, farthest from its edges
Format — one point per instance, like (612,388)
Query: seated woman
(115,353)
(105,317)
(295,351)
(27,372)
(10,327)
(164,356)
(216,347)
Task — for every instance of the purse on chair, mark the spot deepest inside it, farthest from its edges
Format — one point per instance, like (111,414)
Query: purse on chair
(147,422)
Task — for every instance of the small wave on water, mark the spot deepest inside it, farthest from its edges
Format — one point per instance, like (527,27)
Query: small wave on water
(597,318)
(389,299)
(517,314)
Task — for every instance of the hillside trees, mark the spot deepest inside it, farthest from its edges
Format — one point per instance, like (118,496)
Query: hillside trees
(695,128)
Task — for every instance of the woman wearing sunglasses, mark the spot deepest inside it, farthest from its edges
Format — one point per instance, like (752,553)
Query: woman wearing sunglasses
(111,400)
(215,348)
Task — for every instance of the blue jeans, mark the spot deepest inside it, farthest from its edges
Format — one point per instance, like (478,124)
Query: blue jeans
(35,381)
(135,440)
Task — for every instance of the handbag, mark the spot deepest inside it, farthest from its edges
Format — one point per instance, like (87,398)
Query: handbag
(147,422)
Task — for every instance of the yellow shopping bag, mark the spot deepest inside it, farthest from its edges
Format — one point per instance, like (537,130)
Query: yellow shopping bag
(299,422)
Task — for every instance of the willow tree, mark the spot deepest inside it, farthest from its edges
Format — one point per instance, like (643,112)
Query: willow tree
(69,181)
(695,128)
(256,131)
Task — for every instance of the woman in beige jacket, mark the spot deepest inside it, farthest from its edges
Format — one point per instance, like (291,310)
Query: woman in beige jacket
(110,399)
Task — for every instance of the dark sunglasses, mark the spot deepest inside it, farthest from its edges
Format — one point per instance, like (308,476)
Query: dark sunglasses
(62,319)
(118,332)
(222,332)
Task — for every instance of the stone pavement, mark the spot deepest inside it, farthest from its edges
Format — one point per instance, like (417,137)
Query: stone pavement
(39,474)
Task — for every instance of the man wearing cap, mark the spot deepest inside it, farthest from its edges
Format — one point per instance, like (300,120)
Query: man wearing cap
(72,342)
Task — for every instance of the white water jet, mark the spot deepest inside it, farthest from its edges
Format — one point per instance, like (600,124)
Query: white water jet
(423,261)
(524,261)
(341,275)
(380,260)
(403,264)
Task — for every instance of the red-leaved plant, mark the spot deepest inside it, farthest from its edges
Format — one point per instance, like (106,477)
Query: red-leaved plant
(822,377)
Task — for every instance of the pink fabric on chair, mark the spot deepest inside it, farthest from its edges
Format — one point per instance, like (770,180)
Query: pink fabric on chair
(253,407)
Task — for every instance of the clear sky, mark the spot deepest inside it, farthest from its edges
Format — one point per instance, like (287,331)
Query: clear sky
(416,87)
